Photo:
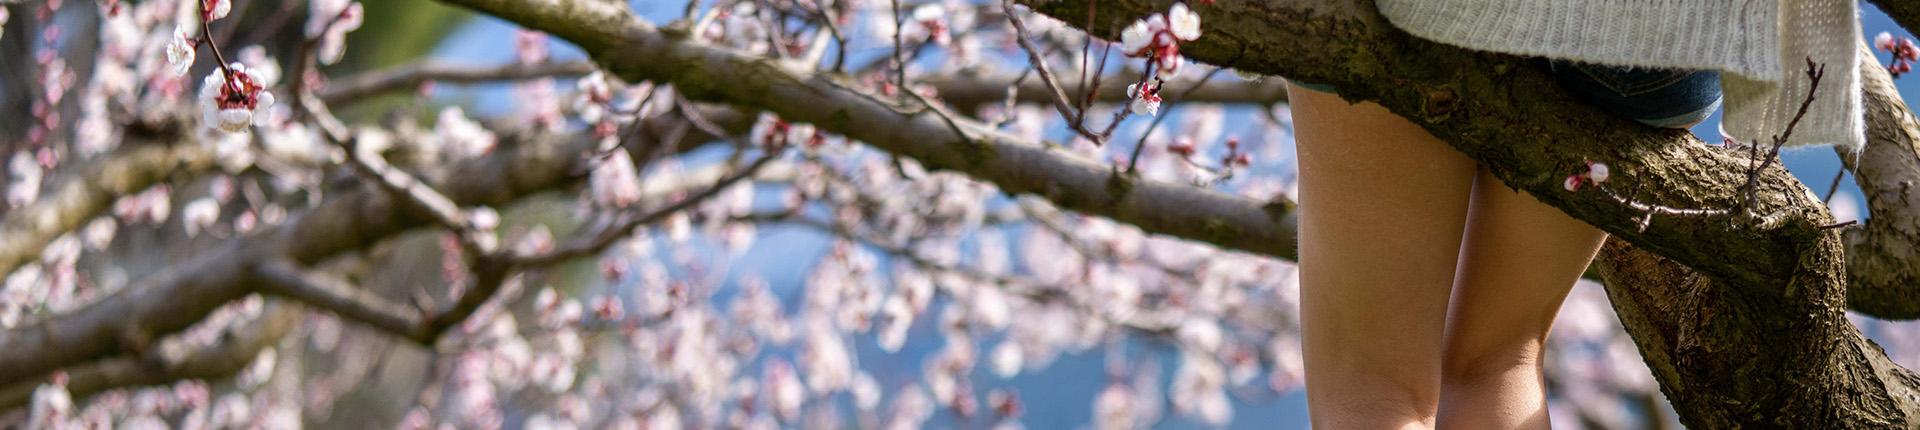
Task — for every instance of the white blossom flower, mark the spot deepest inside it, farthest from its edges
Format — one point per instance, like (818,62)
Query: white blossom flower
(1135,39)
(594,94)
(99,233)
(614,182)
(330,20)
(1201,333)
(24,174)
(461,138)
(232,107)
(828,364)
(1146,98)
(1183,22)
(1114,408)
(199,214)
(896,316)
(784,390)
(929,22)
(180,50)
(215,9)
(1199,390)
(1598,172)
(51,405)
(1007,359)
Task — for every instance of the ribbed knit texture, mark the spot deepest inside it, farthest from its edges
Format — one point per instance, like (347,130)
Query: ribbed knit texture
(1761,45)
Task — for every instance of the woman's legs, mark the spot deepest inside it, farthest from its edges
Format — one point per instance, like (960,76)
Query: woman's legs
(1518,260)
(1383,206)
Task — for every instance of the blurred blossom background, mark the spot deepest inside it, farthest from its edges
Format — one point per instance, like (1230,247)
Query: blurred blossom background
(839,287)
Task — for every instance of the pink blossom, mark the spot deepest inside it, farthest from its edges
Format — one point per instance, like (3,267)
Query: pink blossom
(1598,172)
(180,50)
(232,106)
(199,214)
(211,10)
(329,21)
(1146,98)
(614,182)
(461,138)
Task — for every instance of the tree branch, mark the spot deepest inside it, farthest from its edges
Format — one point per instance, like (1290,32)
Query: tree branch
(637,51)
(236,349)
(83,195)
(1883,256)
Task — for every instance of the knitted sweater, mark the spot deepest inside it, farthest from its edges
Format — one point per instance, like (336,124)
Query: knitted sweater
(1761,46)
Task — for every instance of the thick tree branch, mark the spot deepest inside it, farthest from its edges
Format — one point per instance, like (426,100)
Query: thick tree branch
(236,348)
(1502,111)
(637,51)
(1883,256)
(88,192)
(286,278)
(967,92)
(128,319)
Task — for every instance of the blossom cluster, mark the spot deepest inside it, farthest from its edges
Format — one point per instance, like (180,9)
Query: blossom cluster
(1905,53)
(1594,174)
(1157,38)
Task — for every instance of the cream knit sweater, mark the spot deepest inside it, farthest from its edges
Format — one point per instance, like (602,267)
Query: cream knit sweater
(1760,45)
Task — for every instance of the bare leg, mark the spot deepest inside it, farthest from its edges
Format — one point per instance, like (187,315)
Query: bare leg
(1383,205)
(1519,259)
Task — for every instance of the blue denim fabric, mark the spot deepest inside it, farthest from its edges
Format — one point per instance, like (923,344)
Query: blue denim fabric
(1671,98)
(1667,98)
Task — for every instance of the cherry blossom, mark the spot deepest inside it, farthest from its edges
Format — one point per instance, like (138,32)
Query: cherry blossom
(1146,98)
(180,50)
(233,106)
(211,10)
(1904,52)
(459,137)
(1158,37)
(613,181)
(330,21)
(198,215)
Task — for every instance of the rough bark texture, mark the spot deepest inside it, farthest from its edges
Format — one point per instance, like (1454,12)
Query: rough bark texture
(1883,256)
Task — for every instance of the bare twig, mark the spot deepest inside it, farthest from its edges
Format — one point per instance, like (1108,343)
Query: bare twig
(286,278)
(595,242)
(1060,101)
(1133,161)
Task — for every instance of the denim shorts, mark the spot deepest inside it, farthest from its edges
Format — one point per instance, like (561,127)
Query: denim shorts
(1667,98)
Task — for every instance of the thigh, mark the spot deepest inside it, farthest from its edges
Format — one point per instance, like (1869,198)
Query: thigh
(1519,259)
(1383,204)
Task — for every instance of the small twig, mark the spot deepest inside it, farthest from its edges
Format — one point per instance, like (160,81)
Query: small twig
(613,233)
(1134,160)
(1839,224)
(288,279)
(1649,210)
(1834,187)
(1060,101)
(1814,73)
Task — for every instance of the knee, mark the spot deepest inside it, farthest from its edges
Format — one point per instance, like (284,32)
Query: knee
(1496,363)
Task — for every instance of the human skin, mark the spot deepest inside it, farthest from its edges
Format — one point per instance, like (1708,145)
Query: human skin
(1428,287)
